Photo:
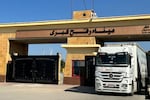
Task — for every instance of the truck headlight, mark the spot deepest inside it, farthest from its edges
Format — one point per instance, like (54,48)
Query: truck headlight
(126,81)
(98,83)
(97,80)
(124,86)
(97,73)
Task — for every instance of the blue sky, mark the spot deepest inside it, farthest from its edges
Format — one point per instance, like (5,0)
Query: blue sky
(37,10)
(41,10)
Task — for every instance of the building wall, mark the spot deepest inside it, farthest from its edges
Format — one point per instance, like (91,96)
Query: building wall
(5,52)
(75,52)
(81,40)
(125,28)
(19,48)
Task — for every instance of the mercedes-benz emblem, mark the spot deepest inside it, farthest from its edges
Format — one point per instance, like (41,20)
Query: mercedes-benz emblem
(111,75)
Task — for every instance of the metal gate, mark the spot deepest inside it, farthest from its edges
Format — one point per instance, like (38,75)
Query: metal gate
(36,69)
(90,70)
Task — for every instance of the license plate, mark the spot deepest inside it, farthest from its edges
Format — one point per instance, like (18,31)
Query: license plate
(111,85)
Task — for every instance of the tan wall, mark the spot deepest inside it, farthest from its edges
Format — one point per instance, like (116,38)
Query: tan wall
(78,53)
(81,40)
(82,14)
(4,53)
(20,48)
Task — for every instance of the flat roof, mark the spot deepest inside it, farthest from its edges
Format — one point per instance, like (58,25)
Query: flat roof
(73,21)
(81,46)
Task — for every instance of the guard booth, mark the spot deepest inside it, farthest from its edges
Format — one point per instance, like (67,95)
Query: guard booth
(34,69)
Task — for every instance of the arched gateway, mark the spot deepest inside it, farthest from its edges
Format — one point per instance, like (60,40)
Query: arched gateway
(83,35)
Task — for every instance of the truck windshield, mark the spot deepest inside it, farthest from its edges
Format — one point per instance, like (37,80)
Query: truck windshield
(117,58)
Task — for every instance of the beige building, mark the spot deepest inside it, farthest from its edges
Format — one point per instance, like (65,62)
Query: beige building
(83,35)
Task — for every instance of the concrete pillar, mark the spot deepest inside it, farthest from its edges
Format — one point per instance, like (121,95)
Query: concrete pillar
(4,53)
(6,49)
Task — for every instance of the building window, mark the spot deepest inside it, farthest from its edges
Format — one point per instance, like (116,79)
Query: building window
(76,66)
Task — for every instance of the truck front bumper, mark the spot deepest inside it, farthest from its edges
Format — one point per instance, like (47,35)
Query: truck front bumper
(121,87)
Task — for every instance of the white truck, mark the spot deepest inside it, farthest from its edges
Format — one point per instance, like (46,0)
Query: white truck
(148,77)
(120,68)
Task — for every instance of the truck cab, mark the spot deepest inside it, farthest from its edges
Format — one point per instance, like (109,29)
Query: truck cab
(120,69)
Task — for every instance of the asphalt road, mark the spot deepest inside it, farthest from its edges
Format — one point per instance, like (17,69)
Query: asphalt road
(19,91)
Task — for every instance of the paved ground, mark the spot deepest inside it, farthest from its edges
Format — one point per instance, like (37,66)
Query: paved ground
(20,91)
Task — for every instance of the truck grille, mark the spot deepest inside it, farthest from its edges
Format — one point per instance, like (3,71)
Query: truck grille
(111,76)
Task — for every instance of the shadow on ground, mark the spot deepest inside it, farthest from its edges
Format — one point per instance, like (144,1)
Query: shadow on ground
(91,90)
(82,89)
